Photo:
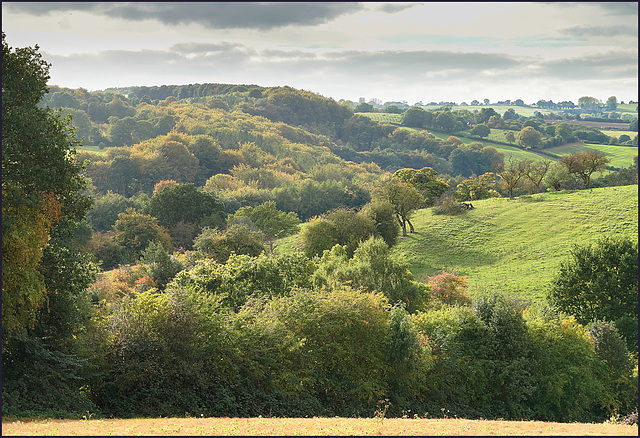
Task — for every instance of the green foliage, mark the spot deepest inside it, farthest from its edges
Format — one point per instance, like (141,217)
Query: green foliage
(404,197)
(475,188)
(271,221)
(184,202)
(236,239)
(160,265)
(243,276)
(134,231)
(481,130)
(41,182)
(600,282)
(529,138)
(342,341)
(317,236)
(425,181)
(372,268)
(383,216)
(618,378)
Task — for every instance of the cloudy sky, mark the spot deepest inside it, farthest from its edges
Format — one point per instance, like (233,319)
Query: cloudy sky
(389,51)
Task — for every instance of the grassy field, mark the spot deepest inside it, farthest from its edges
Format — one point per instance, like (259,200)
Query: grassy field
(94,149)
(513,246)
(516,246)
(392,119)
(308,426)
(620,156)
(617,134)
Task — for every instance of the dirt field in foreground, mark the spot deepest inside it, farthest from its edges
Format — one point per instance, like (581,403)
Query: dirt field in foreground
(306,426)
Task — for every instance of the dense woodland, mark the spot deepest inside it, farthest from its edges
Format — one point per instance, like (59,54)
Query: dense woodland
(152,288)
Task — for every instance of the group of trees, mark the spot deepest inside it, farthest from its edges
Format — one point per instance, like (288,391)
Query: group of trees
(198,317)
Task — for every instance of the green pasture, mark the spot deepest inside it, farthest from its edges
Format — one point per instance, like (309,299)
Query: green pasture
(628,108)
(500,109)
(617,134)
(620,156)
(515,247)
(392,119)
(94,149)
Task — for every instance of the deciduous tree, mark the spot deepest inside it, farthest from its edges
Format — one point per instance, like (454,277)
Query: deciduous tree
(600,282)
(584,164)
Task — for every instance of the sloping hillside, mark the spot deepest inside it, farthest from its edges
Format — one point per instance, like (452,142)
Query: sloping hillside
(516,247)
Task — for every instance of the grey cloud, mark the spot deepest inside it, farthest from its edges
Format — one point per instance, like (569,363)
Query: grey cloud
(611,8)
(392,8)
(606,31)
(609,66)
(199,48)
(432,60)
(219,15)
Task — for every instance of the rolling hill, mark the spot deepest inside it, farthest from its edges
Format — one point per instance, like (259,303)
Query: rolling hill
(516,246)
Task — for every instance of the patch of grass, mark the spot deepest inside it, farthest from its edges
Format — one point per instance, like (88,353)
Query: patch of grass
(516,247)
(392,119)
(620,156)
(94,149)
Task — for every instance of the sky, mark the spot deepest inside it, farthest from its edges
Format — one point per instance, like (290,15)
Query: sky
(408,51)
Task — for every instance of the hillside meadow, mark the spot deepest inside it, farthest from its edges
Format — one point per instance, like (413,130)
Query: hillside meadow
(309,426)
(516,246)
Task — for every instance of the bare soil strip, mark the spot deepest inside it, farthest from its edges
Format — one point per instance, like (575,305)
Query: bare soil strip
(306,426)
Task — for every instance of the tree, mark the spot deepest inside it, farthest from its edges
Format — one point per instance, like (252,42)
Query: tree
(41,184)
(477,187)
(564,131)
(535,172)
(511,137)
(512,174)
(481,130)
(237,239)
(612,103)
(271,221)
(588,102)
(529,138)
(415,117)
(134,231)
(405,199)
(583,165)
(185,202)
(446,121)
(364,108)
(159,264)
(600,282)
(425,181)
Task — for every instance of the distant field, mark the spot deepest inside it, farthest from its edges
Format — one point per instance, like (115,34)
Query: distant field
(95,149)
(628,108)
(500,109)
(620,156)
(392,119)
(617,134)
(516,247)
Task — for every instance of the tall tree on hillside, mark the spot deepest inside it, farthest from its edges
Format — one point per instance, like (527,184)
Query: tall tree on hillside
(511,175)
(425,180)
(529,138)
(583,165)
(405,199)
(535,172)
